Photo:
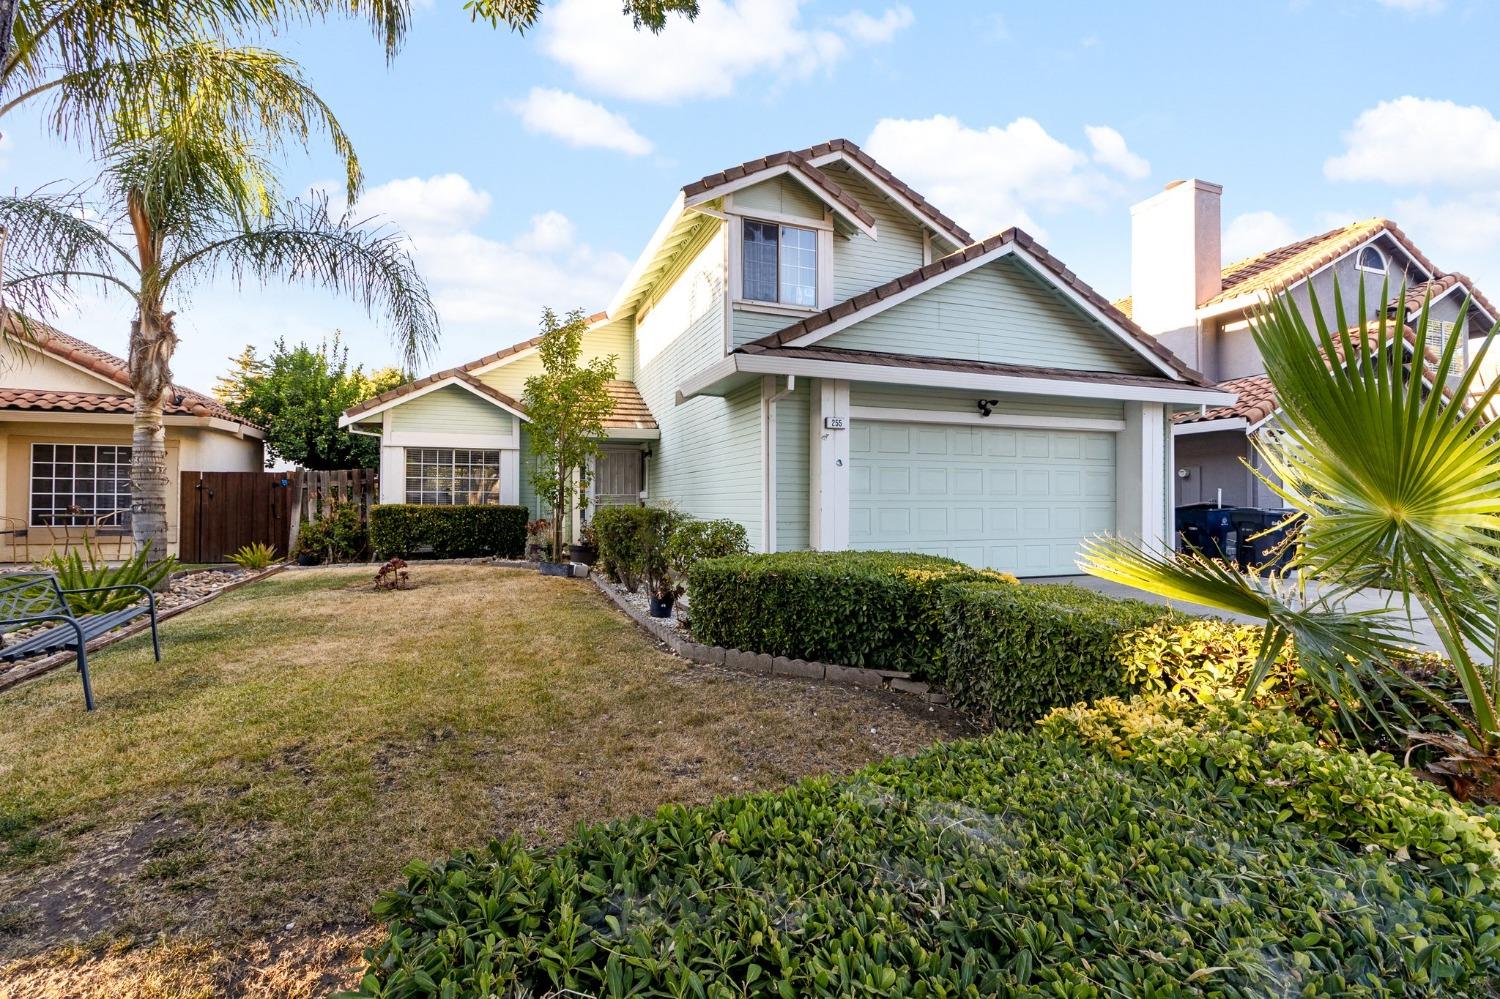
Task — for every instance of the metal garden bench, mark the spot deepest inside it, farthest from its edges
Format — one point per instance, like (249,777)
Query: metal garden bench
(34,598)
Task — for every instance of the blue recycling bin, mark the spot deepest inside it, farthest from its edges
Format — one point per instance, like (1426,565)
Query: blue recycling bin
(1262,538)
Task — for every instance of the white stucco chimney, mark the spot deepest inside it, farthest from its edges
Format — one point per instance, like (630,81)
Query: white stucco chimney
(1175,259)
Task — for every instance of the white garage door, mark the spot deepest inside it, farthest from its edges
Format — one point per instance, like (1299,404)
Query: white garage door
(1017,500)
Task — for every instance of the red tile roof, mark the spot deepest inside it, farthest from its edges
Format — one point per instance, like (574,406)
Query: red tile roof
(55,343)
(929,272)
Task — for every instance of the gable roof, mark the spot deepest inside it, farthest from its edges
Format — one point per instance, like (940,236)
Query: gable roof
(934,273)
(55,343)
(795,163)
(843,146)
(448,375)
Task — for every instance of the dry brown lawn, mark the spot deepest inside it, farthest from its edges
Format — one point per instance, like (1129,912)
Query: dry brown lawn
(221,825)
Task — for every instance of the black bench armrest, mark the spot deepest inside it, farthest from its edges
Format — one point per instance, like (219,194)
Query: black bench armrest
(41,618)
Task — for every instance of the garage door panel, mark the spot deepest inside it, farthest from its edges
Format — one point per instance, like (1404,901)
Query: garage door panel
(1018,500)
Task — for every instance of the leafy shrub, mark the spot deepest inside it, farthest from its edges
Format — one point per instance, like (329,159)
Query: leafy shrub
(632,543)
(1358,798)
(393,575)
(538,539)
(337,536)
(406,529)
(1009,654)
(256,555)
(1201,659)
(873,609)
(694,541)
(1010,865)
(73,573)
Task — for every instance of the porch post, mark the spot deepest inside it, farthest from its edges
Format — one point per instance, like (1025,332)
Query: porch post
(828,467)
(392,474)
(1141,474)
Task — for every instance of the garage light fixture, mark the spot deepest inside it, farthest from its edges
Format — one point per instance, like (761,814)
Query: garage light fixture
(986,406)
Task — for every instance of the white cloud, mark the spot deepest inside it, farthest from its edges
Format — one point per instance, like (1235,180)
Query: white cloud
(704,58)
(426,205)
(1111,151)
(989,178)
(1415,6)
(1453,228)
(1413,140)
(579,122)
(478,279)
(1255,232)
(876,30)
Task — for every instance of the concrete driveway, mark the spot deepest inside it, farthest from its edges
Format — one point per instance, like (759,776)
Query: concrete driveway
(1423,636)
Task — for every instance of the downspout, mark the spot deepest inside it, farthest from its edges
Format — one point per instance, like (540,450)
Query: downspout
(768,458)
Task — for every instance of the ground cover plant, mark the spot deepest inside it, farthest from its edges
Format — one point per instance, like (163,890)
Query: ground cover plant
(304,738)
(1023,863)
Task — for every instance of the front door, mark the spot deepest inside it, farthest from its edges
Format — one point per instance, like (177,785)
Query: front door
(617,477)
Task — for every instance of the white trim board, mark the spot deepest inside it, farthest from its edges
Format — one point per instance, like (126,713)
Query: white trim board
(1008,420)
(345,420)
(759,364)
(1209,426)
(770,173)
(423,438)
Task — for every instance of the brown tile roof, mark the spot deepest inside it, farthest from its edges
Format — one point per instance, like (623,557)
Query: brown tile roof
(931,271)
(630,410)
(54,342)
(815,353)
(865,160)
(1416,296)
(790,159)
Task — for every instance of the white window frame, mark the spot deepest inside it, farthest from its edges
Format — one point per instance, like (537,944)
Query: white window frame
(819,251)
(1359,259)
(31,520)
(452,450)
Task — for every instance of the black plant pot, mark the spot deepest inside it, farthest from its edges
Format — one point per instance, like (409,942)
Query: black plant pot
(554,568)
(308,560)
(583,554)
(659,607)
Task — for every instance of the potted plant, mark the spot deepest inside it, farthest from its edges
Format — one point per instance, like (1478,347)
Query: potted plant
(663,586)
(586,551)
(566,406)
(538,539)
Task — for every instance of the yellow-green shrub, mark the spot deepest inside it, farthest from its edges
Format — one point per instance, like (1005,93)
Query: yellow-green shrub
(1200,659)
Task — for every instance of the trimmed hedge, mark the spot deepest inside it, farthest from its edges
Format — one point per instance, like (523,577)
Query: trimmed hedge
(1010,654)
(879,610)
(1012,865)
(405,529)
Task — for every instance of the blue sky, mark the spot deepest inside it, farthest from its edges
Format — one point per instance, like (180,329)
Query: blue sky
(531,170)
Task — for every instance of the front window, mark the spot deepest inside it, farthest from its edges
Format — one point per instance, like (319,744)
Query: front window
(78,485)
(780,264)
(462,476)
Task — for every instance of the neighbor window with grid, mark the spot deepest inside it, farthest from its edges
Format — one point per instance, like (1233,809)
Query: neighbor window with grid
(780,264)
(467,477)
(74,485)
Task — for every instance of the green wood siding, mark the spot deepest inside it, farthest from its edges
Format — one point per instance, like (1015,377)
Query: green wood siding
(859,262)
(615,338)
(528,496)
(941,401)
(792,440)
(782,195)
(708,460)
(451,410)
(998,312)
(750,325)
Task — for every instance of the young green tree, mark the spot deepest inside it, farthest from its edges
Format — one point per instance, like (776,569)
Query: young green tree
(566,405)
(298,393)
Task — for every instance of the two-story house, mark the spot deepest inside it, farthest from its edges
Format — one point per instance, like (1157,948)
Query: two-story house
(1201,310)
(807,346)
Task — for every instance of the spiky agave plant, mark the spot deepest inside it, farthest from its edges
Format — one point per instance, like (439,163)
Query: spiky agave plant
(1393,477)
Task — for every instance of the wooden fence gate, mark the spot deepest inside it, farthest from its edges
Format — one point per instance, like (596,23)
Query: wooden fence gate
(224,511)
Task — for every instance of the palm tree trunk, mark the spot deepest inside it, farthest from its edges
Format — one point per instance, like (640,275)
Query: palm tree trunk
(151,343)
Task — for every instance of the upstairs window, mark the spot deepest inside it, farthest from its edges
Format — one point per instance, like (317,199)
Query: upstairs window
(1371,259)
(780,264)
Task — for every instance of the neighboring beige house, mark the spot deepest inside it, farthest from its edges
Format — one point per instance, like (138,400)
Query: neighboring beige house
(65,424)
(1185,298)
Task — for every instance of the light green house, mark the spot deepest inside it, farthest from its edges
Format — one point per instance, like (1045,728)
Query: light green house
(810,348)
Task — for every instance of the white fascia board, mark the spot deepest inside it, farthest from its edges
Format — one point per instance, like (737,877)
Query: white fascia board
(757,364)
(345,419)
(632,434)
(234,427)
(879,306)
(1210,426)
(976,419)
(760,176)
(642,262)
(892,193)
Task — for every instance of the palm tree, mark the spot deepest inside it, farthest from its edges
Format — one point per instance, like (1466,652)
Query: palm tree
(173,208)
(1394,479)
